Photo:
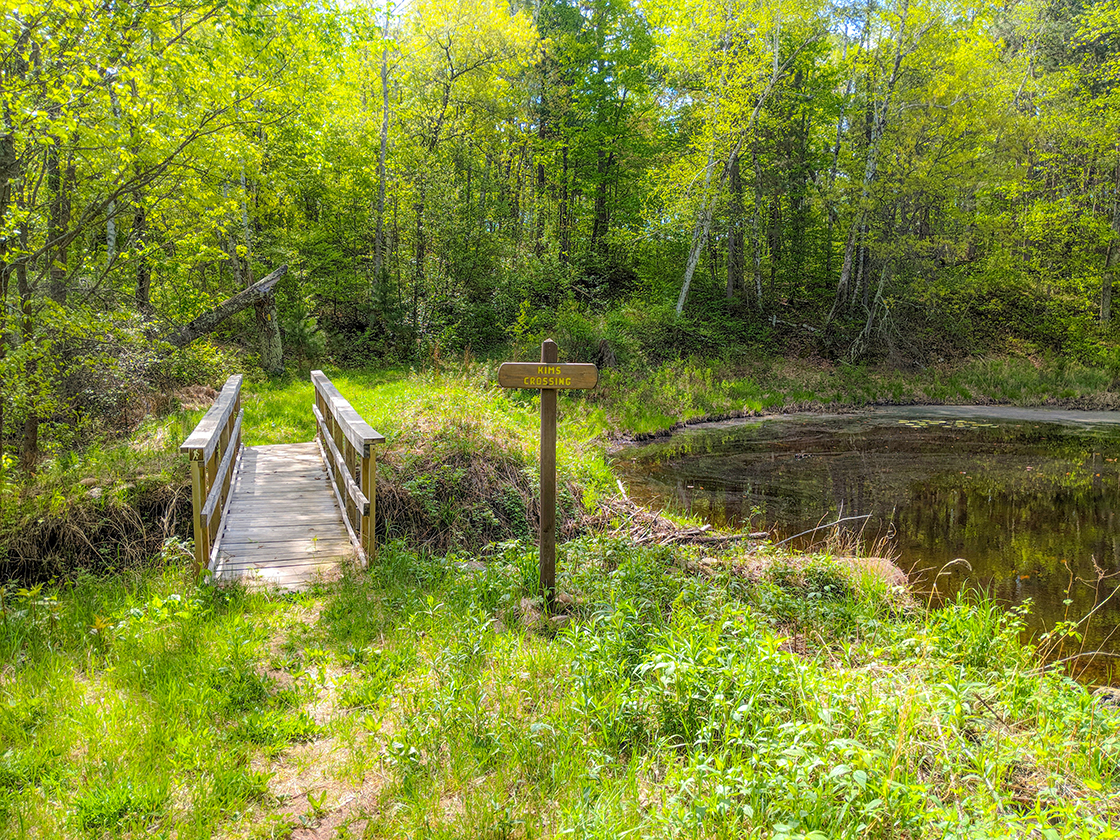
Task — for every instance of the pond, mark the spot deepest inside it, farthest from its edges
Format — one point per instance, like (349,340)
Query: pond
(1028,497)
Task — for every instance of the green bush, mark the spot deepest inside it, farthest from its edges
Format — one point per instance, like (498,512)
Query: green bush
(199,363)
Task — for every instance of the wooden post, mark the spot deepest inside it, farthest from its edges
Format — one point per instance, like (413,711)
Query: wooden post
(549,377)
(198,499)
(348,448)
(549,356)
(369,490)
(216,436)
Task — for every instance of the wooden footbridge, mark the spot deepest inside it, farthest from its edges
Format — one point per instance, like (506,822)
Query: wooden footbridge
(286,514)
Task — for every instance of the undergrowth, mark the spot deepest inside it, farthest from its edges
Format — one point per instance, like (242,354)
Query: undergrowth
(412,700)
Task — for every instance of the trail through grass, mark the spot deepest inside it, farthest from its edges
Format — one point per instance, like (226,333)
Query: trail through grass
(411,701)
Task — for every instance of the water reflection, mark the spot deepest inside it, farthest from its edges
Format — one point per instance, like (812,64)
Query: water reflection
(1029,498)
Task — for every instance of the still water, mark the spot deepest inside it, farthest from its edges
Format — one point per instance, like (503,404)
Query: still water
(1029,497)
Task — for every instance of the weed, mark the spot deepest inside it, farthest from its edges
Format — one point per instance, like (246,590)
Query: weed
(273,730)
(233,787)
(380,671)
(110,806)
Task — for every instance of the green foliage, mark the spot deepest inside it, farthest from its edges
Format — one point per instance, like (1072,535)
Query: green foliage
(232,787)
(199,363)
(542,175)
(380,670)
(272,729)
(119,805)
(304,341)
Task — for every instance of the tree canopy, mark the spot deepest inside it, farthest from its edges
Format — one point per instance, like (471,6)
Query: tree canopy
(890,178)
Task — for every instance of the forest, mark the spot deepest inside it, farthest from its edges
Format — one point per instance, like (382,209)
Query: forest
(894,181)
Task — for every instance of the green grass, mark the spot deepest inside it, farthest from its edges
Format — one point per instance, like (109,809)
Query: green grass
(642,402)
(805,701)
(123,701)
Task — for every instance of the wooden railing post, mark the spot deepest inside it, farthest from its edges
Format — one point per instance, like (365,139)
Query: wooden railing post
(368,483)
(198,499)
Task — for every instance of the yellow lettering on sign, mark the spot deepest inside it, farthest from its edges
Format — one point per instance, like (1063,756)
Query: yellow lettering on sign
(546,382)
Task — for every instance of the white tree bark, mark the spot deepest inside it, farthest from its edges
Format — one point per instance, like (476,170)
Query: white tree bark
(845,293)
(708,203)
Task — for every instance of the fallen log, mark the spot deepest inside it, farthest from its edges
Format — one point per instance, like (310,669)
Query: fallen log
(260,292)
(644,527)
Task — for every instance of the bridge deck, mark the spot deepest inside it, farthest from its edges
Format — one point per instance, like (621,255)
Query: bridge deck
(283,526)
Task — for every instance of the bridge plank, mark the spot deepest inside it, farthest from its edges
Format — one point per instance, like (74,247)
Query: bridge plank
(283,526)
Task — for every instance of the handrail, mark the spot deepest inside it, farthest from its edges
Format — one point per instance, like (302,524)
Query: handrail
(206,434)
(212,448)
(352,490)
(347,441)
(356,430)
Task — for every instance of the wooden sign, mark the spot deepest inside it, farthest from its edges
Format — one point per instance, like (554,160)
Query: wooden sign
(549,377)
(533,375)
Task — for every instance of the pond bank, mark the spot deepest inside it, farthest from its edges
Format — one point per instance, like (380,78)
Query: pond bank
(1016,501)
(643,405)
(711,688)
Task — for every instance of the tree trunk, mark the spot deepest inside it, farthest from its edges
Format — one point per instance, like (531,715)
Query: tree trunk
(799,203)
(9,169)
(700,232)
(539,203)
(246,230)
(545,133)
(775,239)
(111,233)
(1112,255)
(832,216)
(863,342)
(879,113)
(756,237)
(111,211)
(57,221)
(379,273)
(565,211)
(29,445)
(602,217)
(143,267)
(704,222)
(418,269)
(268,327)
(421,250)
(734,229)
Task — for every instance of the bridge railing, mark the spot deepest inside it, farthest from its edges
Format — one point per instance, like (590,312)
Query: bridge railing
(348,450)
(212,449)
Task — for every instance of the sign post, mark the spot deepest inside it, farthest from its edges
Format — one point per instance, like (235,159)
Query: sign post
(548,376)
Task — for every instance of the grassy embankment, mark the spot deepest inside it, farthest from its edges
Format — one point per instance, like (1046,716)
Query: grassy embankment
(114,504)
(798,697)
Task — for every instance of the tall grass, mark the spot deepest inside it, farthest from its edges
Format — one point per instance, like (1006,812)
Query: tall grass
(456,404)
(412,700)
